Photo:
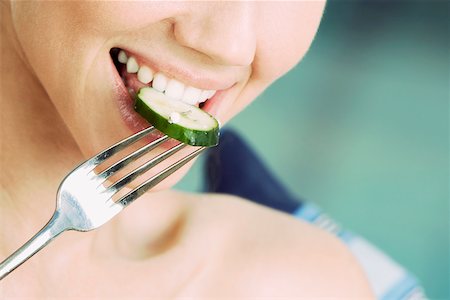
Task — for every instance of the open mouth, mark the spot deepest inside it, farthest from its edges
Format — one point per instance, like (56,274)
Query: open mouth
(148,95)
(136,74)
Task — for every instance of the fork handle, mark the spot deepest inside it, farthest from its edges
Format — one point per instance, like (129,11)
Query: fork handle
(51,230)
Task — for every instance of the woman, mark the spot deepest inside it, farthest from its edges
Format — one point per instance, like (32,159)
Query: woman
(64,100)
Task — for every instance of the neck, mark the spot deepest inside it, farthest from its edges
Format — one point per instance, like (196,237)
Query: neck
(34,155)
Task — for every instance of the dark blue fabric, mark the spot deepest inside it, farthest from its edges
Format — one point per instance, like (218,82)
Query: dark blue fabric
(234,168)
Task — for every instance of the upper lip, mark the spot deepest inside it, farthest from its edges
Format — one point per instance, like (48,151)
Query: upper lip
(202,77)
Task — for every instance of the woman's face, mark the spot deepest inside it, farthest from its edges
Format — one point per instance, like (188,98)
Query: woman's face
(234,48)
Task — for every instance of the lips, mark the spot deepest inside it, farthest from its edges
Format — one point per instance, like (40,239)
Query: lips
(129,78)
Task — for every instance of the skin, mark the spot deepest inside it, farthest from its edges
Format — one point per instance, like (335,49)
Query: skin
(59,108)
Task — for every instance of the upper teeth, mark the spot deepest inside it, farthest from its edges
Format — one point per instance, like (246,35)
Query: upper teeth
(145,74)
(170,86)
(132,65)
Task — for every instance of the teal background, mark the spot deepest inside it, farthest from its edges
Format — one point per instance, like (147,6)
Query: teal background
(360,127)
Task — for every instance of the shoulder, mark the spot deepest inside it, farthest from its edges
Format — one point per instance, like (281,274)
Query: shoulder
(268,253)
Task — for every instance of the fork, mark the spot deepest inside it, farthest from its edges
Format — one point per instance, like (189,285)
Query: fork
(85,203)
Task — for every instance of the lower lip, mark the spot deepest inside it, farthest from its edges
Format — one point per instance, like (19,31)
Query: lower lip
(131,118)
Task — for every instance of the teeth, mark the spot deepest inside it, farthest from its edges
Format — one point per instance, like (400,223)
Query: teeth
(122,57)
(206,94)
(159,82)
(211,93)
(132,65)
(174,89)
(191,95)
(145,74)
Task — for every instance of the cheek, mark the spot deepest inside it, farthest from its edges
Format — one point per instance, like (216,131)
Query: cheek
(109,18)
(61,39)
(283,42)
(55,45)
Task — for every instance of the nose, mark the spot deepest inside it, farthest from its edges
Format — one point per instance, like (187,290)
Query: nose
(224,31)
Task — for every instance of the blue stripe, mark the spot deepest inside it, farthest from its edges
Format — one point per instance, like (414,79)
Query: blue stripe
(346,236)
(307,211)
(401,289)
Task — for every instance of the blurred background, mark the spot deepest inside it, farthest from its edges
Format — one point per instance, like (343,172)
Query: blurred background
(362,124)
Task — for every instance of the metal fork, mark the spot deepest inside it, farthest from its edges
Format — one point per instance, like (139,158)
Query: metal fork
(85,203)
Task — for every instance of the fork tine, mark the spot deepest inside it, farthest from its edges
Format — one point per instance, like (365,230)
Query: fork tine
(102,156)
(137,192)
(131,157)
(144,168)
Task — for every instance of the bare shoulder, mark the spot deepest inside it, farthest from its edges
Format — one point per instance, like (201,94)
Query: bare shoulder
(268,253)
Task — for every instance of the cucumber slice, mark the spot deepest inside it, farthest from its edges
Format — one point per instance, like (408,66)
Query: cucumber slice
(181,121)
